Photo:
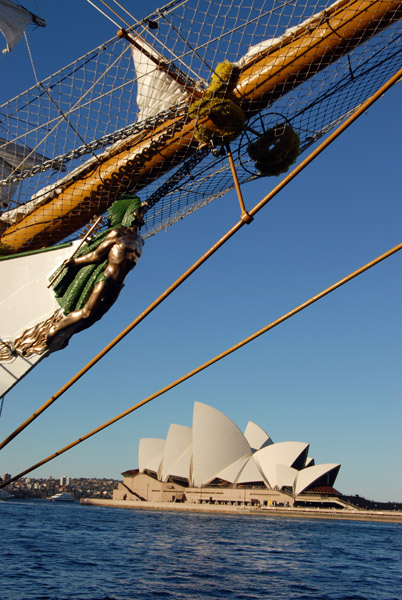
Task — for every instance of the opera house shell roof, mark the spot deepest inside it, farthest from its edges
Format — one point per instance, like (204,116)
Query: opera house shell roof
(215,450)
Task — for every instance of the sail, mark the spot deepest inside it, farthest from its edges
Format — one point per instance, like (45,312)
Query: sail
(26,303)
(157,90)
(14,19)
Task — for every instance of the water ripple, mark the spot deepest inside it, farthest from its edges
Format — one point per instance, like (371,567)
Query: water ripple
(68,552)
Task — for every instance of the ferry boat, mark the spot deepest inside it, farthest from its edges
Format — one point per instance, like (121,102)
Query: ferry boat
(61,497)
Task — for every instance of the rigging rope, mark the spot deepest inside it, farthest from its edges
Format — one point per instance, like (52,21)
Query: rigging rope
(103,13)
(209,253)
(125,10)
(210,362)
(30,57)
(115,12)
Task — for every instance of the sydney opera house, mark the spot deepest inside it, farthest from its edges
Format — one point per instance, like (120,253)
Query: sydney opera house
(214,462)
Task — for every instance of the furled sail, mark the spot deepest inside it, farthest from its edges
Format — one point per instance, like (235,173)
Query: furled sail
(157,90)
(14,19)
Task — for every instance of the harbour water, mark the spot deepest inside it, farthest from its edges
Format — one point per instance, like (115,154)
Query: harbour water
(53,551)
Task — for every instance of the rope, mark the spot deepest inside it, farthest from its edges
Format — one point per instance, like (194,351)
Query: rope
(207,255)
(165,47)
(125,10)
(103,13)
(211,361)
(114,12)
(64,116)
(193,50)
(30,57)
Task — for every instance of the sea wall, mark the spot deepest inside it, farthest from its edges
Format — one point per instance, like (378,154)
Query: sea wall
(300,513)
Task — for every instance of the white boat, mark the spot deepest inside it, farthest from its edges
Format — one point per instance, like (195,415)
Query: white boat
(61,497)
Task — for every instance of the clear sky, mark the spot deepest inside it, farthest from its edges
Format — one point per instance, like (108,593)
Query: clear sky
(331,376)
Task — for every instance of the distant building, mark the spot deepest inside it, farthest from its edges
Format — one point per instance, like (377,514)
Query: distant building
(65,481)
(215,462)
(6,477)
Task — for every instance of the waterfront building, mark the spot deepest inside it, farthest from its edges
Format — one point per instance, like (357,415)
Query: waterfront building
(214,462)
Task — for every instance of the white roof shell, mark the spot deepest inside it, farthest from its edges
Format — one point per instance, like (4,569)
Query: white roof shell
(250,473)
(178,444)
(256,436)
(285,476)
(150,454)
(232,471)
(217,443)
(308,476)
(283,453)
(278,475)
(183,466)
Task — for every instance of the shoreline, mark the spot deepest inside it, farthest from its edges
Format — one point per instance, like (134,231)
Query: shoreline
(301,513)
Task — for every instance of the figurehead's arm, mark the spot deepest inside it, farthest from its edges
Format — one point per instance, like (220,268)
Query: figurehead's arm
(97,254)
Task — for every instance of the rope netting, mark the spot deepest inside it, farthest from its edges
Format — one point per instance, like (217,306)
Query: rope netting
(131,115)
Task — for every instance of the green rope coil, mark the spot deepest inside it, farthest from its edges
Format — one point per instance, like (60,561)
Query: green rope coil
(221,76)
(276,150)
(227,116)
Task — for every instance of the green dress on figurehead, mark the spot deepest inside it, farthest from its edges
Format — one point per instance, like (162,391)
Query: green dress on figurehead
(74,284)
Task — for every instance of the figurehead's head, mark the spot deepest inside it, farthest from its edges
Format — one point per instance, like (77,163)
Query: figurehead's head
(138,214)
(126,211)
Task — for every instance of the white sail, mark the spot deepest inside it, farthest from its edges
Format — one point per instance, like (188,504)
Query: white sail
(25,301)
(14,20)
(156,89)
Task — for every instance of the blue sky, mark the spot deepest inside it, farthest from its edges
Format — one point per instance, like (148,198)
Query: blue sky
(330,376)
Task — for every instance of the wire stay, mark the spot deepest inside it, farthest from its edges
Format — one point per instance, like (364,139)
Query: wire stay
(210,362)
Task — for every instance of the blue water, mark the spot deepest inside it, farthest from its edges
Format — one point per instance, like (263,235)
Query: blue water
(69,552)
